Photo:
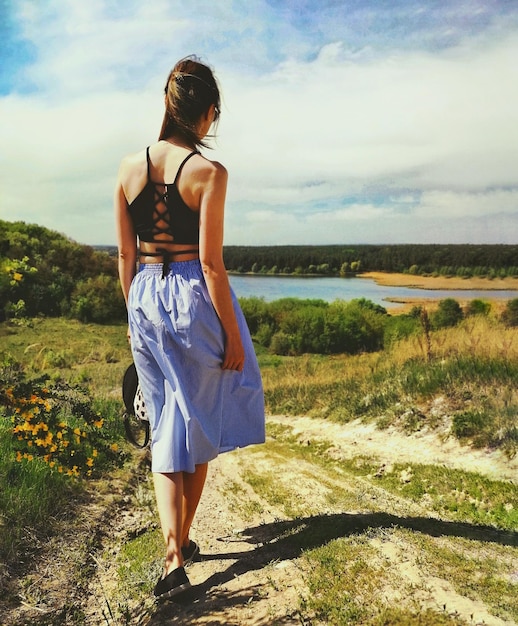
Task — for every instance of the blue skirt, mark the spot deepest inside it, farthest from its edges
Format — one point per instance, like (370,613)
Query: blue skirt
(196,409)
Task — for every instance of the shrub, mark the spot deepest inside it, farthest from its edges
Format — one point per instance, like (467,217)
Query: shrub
(280,344)
(256,313)
(98,300)
(478,307)
(510,314)
(448,313)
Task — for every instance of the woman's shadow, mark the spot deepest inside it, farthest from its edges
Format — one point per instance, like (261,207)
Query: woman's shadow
(285,540)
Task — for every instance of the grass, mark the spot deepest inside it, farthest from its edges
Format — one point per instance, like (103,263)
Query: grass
(91,354)
(30,498)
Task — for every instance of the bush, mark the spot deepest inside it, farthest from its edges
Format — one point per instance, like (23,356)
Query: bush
(448,313)
(98,300)
(293,326)
(510,314)
(256,313)
(478,307)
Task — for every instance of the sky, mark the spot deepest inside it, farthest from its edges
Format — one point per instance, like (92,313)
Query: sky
(343,121)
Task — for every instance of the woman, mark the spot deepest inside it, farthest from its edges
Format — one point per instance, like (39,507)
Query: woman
(192,350)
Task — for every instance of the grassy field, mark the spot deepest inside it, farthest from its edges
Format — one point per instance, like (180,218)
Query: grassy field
(462,386)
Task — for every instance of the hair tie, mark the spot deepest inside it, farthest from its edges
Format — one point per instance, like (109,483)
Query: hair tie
(180,76)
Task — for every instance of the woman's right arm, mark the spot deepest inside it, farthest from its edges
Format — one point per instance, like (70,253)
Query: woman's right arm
(212,206)
(126,238)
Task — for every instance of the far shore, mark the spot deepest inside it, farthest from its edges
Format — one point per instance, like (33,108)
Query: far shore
(441,282)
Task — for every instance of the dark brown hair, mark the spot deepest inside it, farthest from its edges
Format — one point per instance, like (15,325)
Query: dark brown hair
(190,90)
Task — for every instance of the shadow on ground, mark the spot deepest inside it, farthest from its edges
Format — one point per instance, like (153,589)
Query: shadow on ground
(286,540)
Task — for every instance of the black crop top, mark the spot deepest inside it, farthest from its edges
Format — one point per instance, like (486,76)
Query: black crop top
(160,210)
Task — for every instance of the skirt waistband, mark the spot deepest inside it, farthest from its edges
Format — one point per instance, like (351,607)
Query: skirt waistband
(185,268)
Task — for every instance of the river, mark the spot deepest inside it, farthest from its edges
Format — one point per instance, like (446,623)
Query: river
(330,289)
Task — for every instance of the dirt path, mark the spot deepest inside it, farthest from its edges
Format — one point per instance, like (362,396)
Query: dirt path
(249,575)
(251,572)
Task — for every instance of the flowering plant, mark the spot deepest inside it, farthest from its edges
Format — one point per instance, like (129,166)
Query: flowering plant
(55,423)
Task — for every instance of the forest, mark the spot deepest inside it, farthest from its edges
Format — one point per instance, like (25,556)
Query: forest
(466,260)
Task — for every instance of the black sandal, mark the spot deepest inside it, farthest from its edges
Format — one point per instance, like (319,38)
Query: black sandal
(173,584)
(190,552)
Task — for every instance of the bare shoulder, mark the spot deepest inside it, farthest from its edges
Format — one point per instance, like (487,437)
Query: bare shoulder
(133,165)
(206,169)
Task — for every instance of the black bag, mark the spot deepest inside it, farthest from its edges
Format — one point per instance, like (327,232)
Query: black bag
(136,422)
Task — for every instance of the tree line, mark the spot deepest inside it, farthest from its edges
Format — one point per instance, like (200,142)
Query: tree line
(491,260)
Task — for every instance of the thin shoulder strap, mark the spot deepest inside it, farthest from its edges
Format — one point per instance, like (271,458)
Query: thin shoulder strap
(183,163)
(148,164)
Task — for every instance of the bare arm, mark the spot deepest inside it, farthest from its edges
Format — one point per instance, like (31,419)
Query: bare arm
(126,239)
(212,205)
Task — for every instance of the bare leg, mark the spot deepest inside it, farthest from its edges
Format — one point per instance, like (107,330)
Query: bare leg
(192,489)
(169,499)
(177,496)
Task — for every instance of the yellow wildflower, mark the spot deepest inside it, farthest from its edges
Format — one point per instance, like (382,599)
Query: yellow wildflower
(99,423)
(19,456)
(89,462)
(114,447)
(94,453)
(77,431)
(17,276)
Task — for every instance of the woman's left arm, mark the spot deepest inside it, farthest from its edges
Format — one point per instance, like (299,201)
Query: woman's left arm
(126,239)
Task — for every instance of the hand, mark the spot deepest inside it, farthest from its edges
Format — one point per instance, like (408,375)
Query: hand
(234,357)
(128,335)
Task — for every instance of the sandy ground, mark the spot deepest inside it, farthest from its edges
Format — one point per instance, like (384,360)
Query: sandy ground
(441,282)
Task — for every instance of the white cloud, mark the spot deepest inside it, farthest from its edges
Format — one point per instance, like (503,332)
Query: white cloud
(434,133)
